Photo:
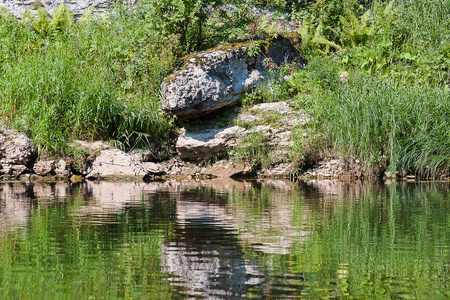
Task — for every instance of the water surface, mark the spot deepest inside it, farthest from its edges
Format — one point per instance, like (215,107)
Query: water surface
(227,239)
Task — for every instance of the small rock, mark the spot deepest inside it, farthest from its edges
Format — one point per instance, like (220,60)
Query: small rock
(330,168)
(18,170)
(62,169)
(15,148)
(223,169)
(44,168)
(153,169)
(6,169)
(76,178)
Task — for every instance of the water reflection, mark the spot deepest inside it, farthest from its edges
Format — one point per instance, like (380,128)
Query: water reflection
(205,256)
(224,239)
(15,206)
(207,260)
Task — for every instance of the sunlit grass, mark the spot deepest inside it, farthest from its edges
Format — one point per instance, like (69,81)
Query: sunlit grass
(73,82)
(389,125)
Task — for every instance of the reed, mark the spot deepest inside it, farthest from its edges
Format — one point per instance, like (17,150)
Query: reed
(388,124)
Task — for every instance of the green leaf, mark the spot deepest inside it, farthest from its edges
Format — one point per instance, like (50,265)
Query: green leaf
(407,56)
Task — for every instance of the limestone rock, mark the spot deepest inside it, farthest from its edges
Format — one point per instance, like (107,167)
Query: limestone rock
(15,148)
(204,144)
(114,163)
(223,169)
(18,170)
(207,144)
(329,168)
(62,169)
(218,77)
(13,170)
(281,170)
(16,152)
(192,149)
(44,168)
(153,169)
(78,7)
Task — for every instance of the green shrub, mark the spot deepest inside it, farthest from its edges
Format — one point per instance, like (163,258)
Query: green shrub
(191,20)
(389,39)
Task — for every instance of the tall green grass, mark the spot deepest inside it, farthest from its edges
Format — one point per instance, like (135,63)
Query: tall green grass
(91,80)
(97,78)
(388,124)
(384,99)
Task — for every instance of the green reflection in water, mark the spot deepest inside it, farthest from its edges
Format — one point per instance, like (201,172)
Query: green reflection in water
(388,242)
(61,255)
(252,240)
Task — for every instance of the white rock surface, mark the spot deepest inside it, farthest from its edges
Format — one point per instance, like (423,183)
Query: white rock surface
(204,145)
(115,163)
(17,7)
(196,145)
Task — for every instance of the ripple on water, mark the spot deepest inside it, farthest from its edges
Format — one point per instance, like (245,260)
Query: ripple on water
(227,239)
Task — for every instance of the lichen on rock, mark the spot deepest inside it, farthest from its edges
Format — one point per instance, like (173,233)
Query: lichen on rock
(219,77)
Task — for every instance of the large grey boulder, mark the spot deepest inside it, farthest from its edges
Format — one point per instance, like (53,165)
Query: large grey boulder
(218,77)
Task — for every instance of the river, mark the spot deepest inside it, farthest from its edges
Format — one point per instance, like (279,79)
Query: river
(224,239)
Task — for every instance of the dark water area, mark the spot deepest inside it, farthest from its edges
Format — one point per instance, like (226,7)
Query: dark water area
(224,239)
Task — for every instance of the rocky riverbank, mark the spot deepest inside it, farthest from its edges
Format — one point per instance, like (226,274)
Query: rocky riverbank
(215,138)
(201,152)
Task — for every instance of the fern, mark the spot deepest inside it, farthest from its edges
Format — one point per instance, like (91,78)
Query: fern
(46,26)
(42,23)
(268,27)
(313,37)
(87,16)
(356,31)
(62,21)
